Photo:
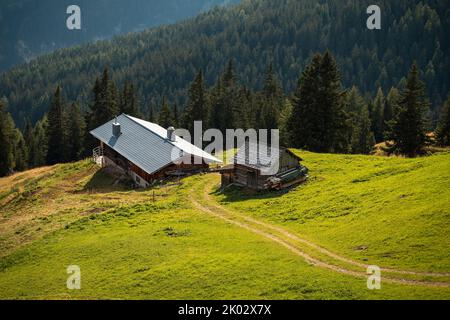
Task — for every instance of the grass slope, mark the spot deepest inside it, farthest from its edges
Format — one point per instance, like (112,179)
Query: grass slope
(388,211)
(391,212)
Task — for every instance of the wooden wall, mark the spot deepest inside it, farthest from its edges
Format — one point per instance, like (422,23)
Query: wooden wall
(128,166)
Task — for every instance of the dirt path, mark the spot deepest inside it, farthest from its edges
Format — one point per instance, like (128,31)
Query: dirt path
(276,234)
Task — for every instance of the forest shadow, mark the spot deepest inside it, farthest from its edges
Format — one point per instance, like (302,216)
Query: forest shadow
(236,194)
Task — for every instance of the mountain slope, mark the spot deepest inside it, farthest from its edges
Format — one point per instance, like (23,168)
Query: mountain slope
(163,61)
(29,28)
(68,214)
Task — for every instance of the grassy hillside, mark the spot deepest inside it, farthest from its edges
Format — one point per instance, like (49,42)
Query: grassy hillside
(191,241)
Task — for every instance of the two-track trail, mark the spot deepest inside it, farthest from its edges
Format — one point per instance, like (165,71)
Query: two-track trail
(311,252)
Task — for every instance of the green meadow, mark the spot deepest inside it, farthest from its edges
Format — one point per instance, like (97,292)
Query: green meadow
(166,242)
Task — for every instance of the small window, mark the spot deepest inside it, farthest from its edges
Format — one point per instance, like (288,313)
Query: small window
(138,180)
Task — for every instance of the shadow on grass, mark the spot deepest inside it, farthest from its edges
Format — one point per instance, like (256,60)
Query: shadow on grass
(235,193)
(103,182)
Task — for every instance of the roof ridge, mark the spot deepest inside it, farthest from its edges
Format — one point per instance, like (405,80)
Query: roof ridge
(140,124)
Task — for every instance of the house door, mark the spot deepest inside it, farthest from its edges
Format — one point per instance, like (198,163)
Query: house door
(251,179)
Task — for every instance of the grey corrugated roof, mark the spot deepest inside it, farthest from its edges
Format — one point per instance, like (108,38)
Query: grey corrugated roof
(260,156)
(147,149)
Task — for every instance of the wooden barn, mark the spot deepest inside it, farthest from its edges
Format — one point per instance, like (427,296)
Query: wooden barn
(281,171)
(146,151)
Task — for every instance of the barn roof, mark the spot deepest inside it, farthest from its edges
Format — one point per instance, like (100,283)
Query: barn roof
(146,144)
(259,156)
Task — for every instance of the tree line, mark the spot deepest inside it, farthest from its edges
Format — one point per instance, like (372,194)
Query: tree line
(164,60)
(320,115)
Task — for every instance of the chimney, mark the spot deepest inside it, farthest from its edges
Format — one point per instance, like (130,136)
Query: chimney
(116,129)
(171,134)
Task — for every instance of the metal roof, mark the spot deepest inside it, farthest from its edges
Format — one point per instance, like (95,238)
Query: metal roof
(261,157)
(146,144)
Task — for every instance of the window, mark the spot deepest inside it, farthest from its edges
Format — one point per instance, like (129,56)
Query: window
(138,180)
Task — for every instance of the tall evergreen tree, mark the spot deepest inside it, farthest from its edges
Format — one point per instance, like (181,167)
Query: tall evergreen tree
(410,123)
(39,154)
(272,101)
(20,151)
(196,108)
(218,113)
(229,97)
(390,107)
(56,130)
(377,116)
(103,107)
(283,124)
(443,128)
(176,117)
(6,141)
(165,118)
(76,127)
(128,102)
(28,136)
(151,113)
(319,122)
(362,138)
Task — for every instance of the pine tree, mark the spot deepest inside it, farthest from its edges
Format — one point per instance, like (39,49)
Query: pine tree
(443,128)
(165,118)
(76,127)
(6,142)
(410,123)
(56,130)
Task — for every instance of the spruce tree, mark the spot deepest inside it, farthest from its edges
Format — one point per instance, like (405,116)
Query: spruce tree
(128,102)
(176,117)
(443,128)
(56,130)
(272,101)
(6,141)
(283,124)
(229,97)
(151,113)
(76,127)
(39,154)
(362,138)
(103,108)
(377,117)
(319,122)
(20,152)
(306,115)
(410,123)
(218,108)
(28,136)
(390,107)
(196,108)
(165,118)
